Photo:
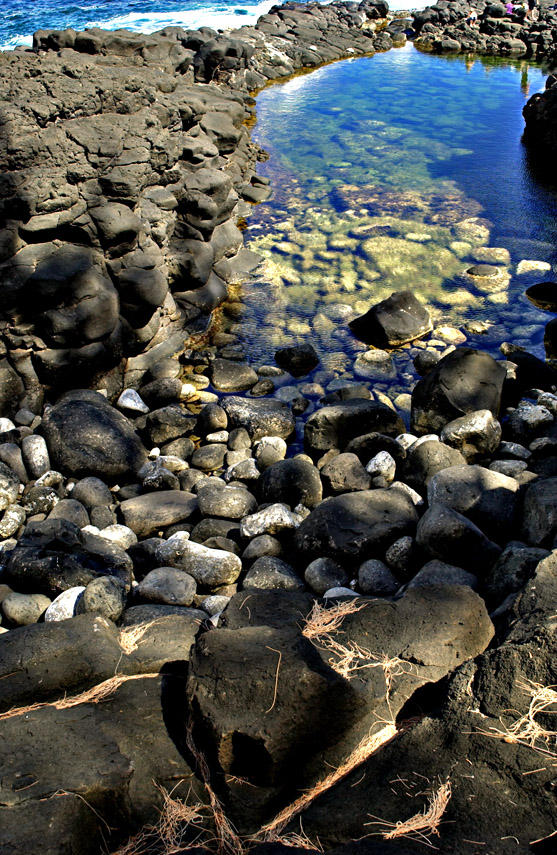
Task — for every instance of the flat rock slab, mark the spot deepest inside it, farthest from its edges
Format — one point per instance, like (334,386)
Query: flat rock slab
(151,512)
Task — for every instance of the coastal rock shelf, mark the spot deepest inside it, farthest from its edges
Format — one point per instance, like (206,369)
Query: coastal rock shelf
(125,160)
(227,629)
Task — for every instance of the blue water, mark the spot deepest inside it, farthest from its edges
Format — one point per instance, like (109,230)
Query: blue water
(374,162)
(18,23)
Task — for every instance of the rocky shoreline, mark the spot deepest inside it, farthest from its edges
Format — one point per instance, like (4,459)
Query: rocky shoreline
(208,644)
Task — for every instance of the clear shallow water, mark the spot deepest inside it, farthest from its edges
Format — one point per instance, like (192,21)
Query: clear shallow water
(374,162)
(18,23)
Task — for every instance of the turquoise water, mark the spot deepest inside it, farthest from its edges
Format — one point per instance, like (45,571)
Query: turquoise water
(375,162)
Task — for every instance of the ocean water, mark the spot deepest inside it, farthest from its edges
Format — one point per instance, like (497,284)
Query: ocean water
(18,23)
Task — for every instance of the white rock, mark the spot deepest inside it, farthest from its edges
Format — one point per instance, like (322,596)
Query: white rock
(245,470)
(6,425)
(65,604)
(274,444)
(217,436)
(189,391)
(209,567)
(426,438)
(405,440)
(173,463)
(35,455)
(119,534)
(91,529)
(548,400)
(271,520)
(414,497)
(215,604)
(154,453)
(531,266)
(382,469)
(132,400)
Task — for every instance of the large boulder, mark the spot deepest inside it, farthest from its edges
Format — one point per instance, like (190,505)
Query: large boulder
(86,436)
(397,320)
(335,425)
(357,526)
(462,382)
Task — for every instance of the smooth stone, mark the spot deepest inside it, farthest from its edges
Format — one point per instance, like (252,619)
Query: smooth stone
(229,376)
(475,435)
(92,492)
(24,609)
(263,544)
(324,573)
(271,573)
(215,604)
(35,455)
(338,592)
(167,585)
(344,473)
(209,567)
(9,487)
(132,401)
(65,604)
(104,596)
(151,512)
(375,578)
(122,535)
(210,457)
(271,520)
(260,416)
(438,573)
(228,502)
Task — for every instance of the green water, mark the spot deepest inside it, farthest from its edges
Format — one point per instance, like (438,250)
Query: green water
(378,167)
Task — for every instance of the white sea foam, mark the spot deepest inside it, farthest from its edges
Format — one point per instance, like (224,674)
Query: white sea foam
(204,16)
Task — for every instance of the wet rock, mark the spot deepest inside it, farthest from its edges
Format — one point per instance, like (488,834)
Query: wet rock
(209,567)
(476,435)
(24,609)
(292,482)
(229,376)
(298,360)
(154,511)
(259,416)
(463,382)
(86,436)
(324,573)
(543,295)
(167,585)
(271,573)
(451,537)
(356,526)
(398,319)
(375,365)
(334,426)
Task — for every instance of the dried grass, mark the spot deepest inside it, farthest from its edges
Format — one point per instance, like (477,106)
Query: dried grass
(132,636)
(168,836)
(324,620)
(526,730)
(300,840)
(94,695)
(227,840)
(348,658)
(422,826)
(368,746)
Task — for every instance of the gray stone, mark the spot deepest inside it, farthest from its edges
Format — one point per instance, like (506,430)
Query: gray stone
(154,511)
(92,492)
(24,609)
(376,579)
(291,481)
(356,526)
(210,457)
(72,510)
(229,502)
(451,537)
(9,486)
(264,544)
(344,473)
(486,497)
(438,573)
(270,520)
(539,515)
(105,596)
(334,426)
(229,376)
(260,416)
(167,585)
(324,573)
(209,567)
(427,458)
(271,573)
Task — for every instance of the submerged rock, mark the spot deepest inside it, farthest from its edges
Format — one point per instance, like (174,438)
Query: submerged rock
(397,320)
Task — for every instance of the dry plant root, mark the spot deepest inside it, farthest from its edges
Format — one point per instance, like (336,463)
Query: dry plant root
(422,826)
(95,695)
(526,730)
